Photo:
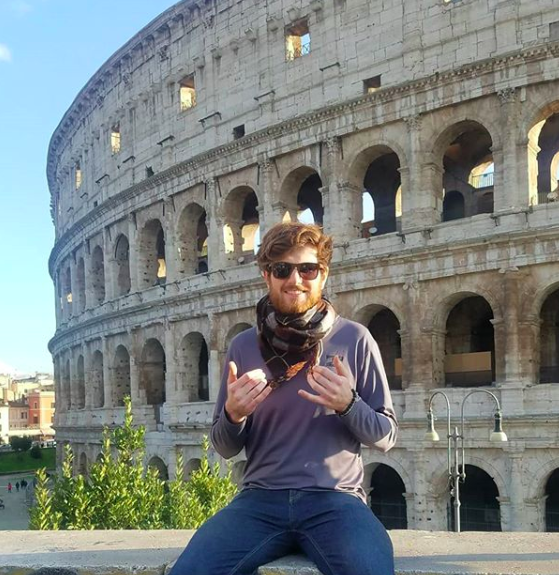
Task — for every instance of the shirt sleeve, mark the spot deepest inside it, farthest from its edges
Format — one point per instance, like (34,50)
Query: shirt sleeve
(372,420)
(227,437)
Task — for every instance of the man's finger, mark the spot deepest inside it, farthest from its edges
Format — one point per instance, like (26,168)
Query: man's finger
(341,369)
(232,373)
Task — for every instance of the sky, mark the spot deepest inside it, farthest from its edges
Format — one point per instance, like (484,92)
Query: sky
(49,49)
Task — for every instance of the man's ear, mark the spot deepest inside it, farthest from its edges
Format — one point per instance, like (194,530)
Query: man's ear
(266,276)
(324,276)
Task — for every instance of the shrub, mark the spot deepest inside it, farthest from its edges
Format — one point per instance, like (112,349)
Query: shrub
(36,452)
(19,443)
(120,493)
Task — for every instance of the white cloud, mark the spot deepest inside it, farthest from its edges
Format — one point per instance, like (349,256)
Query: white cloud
(5,54)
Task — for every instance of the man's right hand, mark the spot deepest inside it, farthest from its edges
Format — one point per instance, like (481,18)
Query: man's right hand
(245,394)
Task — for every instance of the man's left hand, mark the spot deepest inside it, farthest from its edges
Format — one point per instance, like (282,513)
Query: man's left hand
(333,388)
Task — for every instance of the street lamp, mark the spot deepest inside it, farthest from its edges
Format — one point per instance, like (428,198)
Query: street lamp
(455,444)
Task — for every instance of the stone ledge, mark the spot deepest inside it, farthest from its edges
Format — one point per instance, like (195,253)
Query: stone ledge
(151,552)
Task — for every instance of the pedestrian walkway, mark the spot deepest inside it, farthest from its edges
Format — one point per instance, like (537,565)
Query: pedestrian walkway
(15,515)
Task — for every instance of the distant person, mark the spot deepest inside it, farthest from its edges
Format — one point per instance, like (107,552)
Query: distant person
(9,487)
(17,485)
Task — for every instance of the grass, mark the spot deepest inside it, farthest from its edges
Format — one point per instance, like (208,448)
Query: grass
(12,462)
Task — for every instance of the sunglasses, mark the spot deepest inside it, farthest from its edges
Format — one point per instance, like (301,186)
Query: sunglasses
(283,270)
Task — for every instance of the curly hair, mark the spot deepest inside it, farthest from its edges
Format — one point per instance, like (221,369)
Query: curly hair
(282,238)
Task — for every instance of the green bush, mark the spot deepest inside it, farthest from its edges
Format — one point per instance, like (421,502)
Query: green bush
(120,493)
(19,443)
(36,452)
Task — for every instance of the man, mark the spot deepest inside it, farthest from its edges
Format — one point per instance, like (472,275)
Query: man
(301,393)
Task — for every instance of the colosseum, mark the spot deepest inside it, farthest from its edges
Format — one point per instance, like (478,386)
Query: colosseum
(423,135)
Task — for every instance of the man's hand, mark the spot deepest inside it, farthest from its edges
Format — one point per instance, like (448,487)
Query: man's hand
(333,387)
(245,394)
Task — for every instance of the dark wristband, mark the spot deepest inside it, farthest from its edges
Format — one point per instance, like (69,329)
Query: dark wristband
(354,399)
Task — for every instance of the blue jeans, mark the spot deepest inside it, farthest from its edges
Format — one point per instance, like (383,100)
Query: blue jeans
(335,530)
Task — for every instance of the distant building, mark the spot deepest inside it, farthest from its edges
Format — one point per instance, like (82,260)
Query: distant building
(18,418)
(41,412)
(4,422)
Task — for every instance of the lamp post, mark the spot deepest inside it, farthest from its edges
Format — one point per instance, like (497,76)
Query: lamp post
(455,444)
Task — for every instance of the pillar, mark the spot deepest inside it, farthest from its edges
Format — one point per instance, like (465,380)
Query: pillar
(107,379)
(516,490)
(133,242)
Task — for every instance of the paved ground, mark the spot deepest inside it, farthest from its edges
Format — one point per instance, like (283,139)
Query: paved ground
(15,515)
(147,553)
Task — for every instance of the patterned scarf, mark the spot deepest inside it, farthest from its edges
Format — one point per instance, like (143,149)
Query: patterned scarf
(289,343)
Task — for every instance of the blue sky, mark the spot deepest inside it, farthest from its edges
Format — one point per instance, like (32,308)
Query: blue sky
(48,51)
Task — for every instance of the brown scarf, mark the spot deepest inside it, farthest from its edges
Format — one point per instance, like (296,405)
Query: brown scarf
(289,343)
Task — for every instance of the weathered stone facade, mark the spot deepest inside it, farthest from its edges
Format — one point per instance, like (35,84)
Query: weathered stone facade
(200,131)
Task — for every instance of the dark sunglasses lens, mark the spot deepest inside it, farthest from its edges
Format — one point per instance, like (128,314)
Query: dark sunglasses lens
(281,270)
(308,271)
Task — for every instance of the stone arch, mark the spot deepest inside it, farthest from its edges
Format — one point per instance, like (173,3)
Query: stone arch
(193,368)
(157,463)
(152,374)
(480,505)
(387,497)
(121,376)
(152,267)
(96,382)
(67,296)
(80,383)
(385,327)
(453,206)
(463,153)
(97,275)
(241,224)
(192,240)
(370,466)
(300,193)
(190,466)
(536,488)
(83,464)
(122,265)
(376,171)
(80,286)
(437,322)
(552,502)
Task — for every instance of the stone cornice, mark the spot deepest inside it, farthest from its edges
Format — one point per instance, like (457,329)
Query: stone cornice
(192,165)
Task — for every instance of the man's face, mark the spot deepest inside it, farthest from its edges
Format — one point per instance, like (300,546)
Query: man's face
(294,295)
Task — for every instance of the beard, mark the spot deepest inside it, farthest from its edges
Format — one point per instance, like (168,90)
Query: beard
(284,307)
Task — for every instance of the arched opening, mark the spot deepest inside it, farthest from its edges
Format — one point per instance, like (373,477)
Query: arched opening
(309,201)
(387,498)
(98,276)
(194,367)
(80,383)
(190,466)
(552,502)
(192,241)
(468,169)
(122,263)
(121,375)
(234,331)
(152,265)
(549,339)
(80,286)
(67,291)
(97,381)
(453,206)
(158,464)
(543,159)
(385,329)
(479,510)
(66,390)
(83,466)
(152,375)
(381,183)
(241,232)
(470,344)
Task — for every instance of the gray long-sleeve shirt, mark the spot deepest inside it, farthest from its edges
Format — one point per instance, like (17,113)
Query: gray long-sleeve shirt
(290,442)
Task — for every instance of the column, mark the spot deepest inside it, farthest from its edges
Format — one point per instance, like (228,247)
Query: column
(107,371)
(422,179)
(517,512)
(135,353)
(109,263)
(511,175)
(87,361)
(216,247)
(268,184)
(418,515)
(215,369)
(133,242)
(89,296)
(171,253)
(170,365)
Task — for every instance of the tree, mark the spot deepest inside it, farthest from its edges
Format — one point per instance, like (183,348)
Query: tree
(19,443)
(121,493)
(36,452)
